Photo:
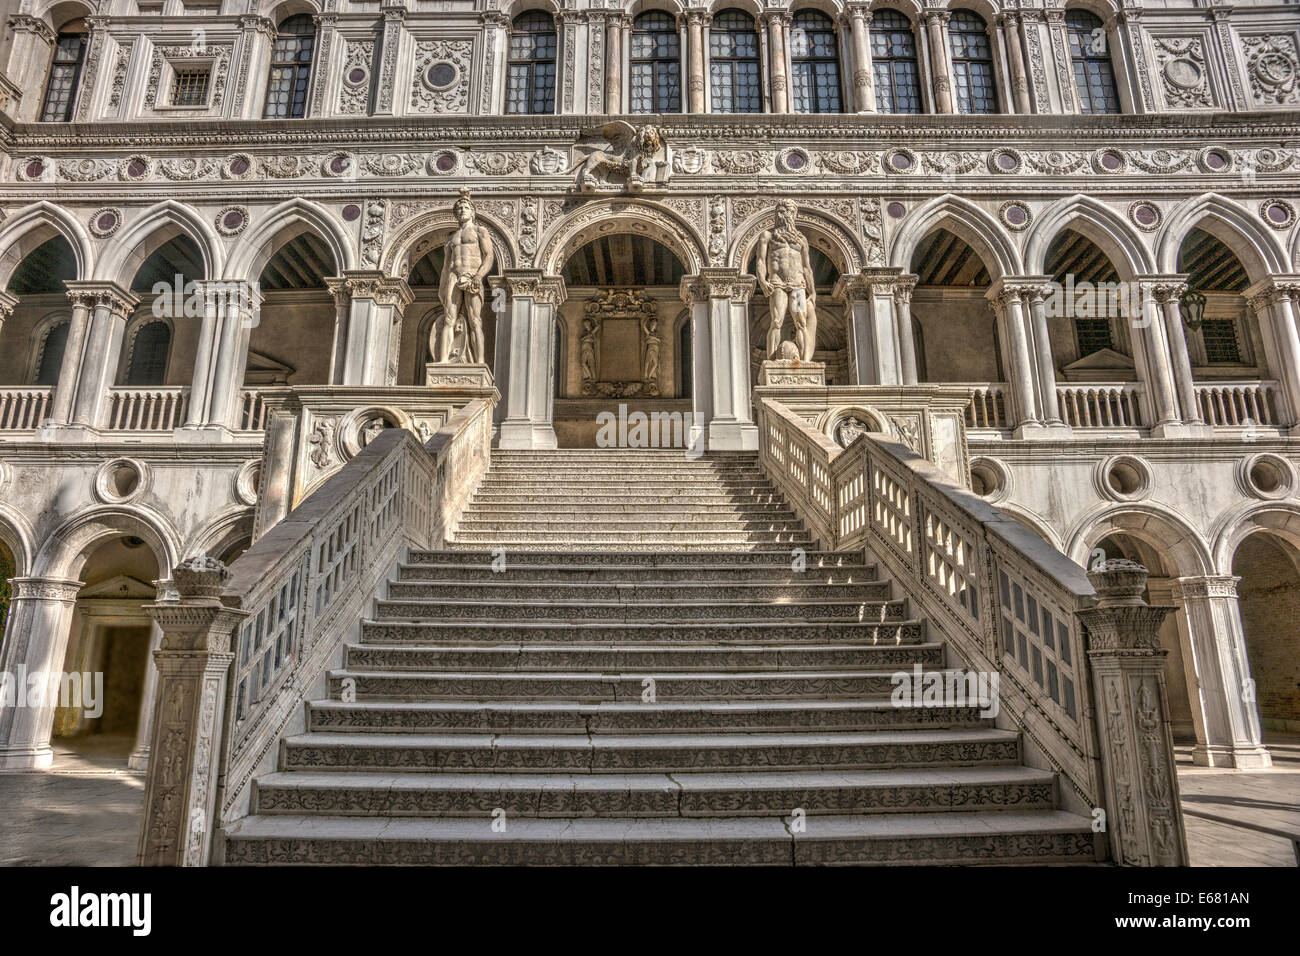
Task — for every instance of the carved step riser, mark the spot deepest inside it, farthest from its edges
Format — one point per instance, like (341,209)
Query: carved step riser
(599,525)
(523,574)
(624,546)
(433,633)
(815,560)
(503,590)
(431,610)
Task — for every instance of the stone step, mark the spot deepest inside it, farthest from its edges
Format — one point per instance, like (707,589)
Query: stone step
(661,753)
(660,558)
(586,686)
(584,509)
(647,658)
(688,633)
(597,523)
(501,588)
(630,717)
(615,454)
(633,500)
(634,575)
(1037,836)
(652,540)
(861,611)
(739,794)
(624,546)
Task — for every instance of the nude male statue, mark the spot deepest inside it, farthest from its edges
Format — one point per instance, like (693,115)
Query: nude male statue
(467,258)
(785,275)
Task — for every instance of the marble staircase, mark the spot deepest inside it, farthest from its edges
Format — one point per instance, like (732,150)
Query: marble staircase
(635,658)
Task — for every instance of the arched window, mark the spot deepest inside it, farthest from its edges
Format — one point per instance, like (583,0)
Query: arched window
(972,63)
(893,61)
(65,75)
(733,63)
(530,74)
(51,359)
(814,55)
(1094,77)
(656,64)
(286,86)
(149,351)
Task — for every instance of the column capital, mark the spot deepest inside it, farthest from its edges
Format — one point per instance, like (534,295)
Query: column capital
(1121,623)
(370,284)
(92,293)
(325,19)
(779,15)
(1008,18)
(8,302)
(25,23)
(531,284)
(941,16)
(1271,289)
(880,280)
(698,16)
(393,11)
(255,23)
(1163,288)
(1005,289)
(493,18)
(717,283)
(1205,586)
(45,589)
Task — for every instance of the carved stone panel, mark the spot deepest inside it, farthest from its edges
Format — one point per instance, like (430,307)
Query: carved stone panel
(618,352)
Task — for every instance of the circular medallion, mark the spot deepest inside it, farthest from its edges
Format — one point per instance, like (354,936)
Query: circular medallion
(105,222)
(1278,213)
(1015,215)
(232,220)
(896,210)
(1144,215)
(351,212)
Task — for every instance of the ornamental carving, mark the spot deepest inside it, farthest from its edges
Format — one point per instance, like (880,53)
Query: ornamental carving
(354,94)
(441,82)
(1272,64)
(742,161)
(1184,79)
(618,156)
(618,352)
(494,163)
(849,162)
(322,452)
(217,54)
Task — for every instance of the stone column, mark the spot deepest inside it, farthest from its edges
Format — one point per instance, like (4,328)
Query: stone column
(1225,690)
(1010,24)
(65,390)
(903,287)
(1008,306)
(371,339)
(1061,56)
(193,669)
(697,21)
(496,27)
(36,642)
(390,47)
(1274,303)
(864,93)
(875,350)
(1131,73)
(230,311)
(719,302)
(30,51)
(777,24)
(97,47)
(1036,290)
(616,28)
(936,28)
(101,352)
(1167,294)
(1143,816)
(525,356)
(139,759)
(1156,360)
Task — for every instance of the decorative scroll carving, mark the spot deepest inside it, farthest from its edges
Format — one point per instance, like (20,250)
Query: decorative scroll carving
(638,314)
(441,81)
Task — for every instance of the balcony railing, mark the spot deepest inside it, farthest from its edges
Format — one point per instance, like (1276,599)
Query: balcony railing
(1238,403)
(23,409)
(252,411)
(147,409)
(1097,405)
(988,406)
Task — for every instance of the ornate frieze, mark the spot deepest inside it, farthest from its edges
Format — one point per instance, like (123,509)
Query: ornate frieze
(1272,65)
(1184,77)
(217,53)
(354,92)
(442,73)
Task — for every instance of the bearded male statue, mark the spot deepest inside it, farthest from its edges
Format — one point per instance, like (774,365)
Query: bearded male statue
(785,275)
(467,259)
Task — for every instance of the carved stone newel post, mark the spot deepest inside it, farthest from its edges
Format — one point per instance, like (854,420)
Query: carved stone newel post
(193,668)
(1137,751)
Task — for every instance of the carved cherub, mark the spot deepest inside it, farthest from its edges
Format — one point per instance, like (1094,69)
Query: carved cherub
(629,152)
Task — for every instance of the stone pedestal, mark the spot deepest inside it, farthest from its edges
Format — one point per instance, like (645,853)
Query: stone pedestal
(1127,661)
(792,372)
(457,375)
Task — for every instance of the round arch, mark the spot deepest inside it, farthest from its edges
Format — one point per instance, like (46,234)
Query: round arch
(963,219)
(277,11)
(16,533)
(123,255)
(1032,523)
(56,13)
(832,8)
(221,532)
(1096,222)
(752,7)
(286,222)
(825,233)
(426,232)
(1280,518)
(1157,526)
(619,215)
(513,8)
(674,8)
(1236,227)
(32,226)
(66,549)
(908,8)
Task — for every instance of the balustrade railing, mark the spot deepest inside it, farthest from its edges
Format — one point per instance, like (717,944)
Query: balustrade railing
(988,406)
(252,411)
(1007,602)
(277,620)
(1237,403)
(147,409)
(1100,405)
(23,409)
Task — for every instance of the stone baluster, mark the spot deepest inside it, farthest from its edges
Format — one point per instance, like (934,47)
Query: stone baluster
(525,353)
(193,662)
(936,28)
(1143,817)
(864,93)
(1010,25)
(718,299)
